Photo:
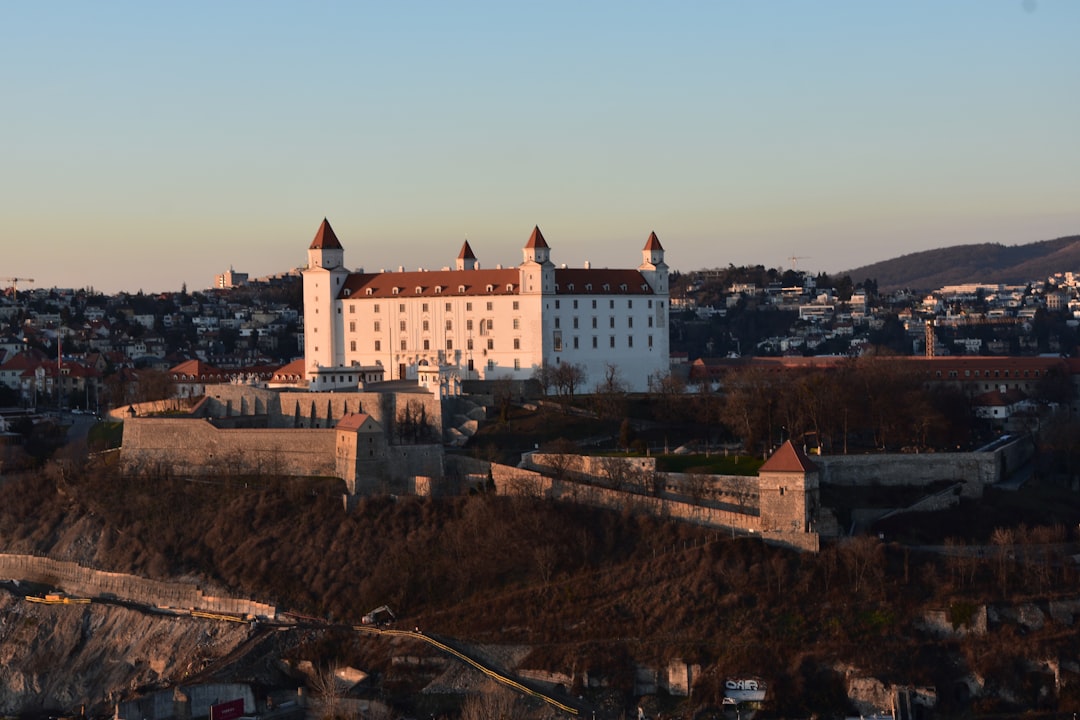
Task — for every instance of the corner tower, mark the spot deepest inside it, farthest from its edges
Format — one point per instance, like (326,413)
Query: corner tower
(324,345)
(537,270)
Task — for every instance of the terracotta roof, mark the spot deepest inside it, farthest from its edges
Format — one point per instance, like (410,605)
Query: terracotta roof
(466,252)
(602,282)
(325,239)
(432,284)
(290,370)
(353,421)
(653,243)
(536,240)
(788,458)
(197,369)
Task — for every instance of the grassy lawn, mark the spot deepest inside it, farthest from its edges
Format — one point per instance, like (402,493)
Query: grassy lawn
(711,464)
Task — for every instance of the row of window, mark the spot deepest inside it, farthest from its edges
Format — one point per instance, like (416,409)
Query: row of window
(448,307)
(558,344)
(611,304)
(611,322)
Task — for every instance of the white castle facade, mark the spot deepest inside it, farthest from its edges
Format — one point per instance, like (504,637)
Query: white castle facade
(483,324)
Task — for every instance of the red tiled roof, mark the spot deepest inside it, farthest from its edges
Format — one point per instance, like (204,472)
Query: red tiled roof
(352,421)
(431,284)
(325,239)
(466,252)
(788,458)
(653,243)
(290,370)
(536,240)
(197,369)
(603,282)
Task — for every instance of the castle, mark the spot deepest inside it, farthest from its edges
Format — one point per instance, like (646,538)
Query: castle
(483,324)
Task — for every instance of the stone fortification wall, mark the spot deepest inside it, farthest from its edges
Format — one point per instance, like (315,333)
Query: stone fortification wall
(319,410)
(77,580)
(520,481)
(192,446)
(976,470)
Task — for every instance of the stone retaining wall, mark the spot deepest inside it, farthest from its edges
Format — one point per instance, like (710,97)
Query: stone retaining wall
(77,580)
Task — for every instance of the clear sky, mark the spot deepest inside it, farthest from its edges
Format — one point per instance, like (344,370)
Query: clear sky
(149,144)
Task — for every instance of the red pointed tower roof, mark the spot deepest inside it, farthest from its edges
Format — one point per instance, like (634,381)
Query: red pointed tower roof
(788,459)
(466,252)
(536,240)
(325,239)
(653,243)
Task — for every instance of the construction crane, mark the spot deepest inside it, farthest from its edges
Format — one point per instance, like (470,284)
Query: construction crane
(15,283)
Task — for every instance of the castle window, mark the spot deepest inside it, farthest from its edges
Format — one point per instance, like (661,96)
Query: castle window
(352,345)
(378,346)
(629,341)
(461,288)
(348,292)
(396,290)
(426,326)
(490,306)
(509,287)
(650,304)
(556,304)
(403,345)
(449,324)
(378,326)
(490,344)
(515,304)
(570,287)
(401,307)
(610,303)
(352,326)
(607,287)
(449,344)
(517,343)
(376,307)
(594,346)
(650,341)
(427,344)
(575,342)
(352,308)
(588,287)
(593,304)
(517,363)
(517,324)
(594,322)
(468,344)
(611,341)
(401,326)
(629,303)
(447,307)
(369,292)
(423,308)
(556,322)
(468,307)
(630,322)
(650,321)
(438,289)
(490,288)
(419,289)
(575,323)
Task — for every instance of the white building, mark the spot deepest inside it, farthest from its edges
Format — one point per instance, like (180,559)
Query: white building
(484,324)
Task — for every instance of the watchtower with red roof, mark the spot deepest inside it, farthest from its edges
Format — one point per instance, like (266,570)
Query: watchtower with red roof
(789,490)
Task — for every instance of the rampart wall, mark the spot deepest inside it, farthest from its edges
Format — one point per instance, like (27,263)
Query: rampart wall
(288,409)
(975,469)
(519,481)
(77,580)
(192,446)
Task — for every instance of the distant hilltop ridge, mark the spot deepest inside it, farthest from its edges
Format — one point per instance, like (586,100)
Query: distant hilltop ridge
(979,263)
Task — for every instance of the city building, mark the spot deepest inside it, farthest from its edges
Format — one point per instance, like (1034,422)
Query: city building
(484,324)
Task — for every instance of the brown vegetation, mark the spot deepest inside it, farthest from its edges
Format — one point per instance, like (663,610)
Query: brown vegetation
(587,588)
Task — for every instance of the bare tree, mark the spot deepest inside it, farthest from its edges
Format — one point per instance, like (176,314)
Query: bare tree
(609,396)
(327,691)
(494,702)
(567,378)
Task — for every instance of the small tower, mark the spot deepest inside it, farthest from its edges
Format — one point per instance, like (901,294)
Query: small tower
(653,268)
(324,278)
(789,491)
(325,251)
(537,271)
(466,260)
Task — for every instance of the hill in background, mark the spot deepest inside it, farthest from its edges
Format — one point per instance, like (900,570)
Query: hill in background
(983,263)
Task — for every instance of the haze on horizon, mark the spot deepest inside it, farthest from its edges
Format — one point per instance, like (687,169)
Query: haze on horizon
(154,144)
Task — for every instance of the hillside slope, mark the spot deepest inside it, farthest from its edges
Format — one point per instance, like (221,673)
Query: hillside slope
(985,262)
(584,589)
